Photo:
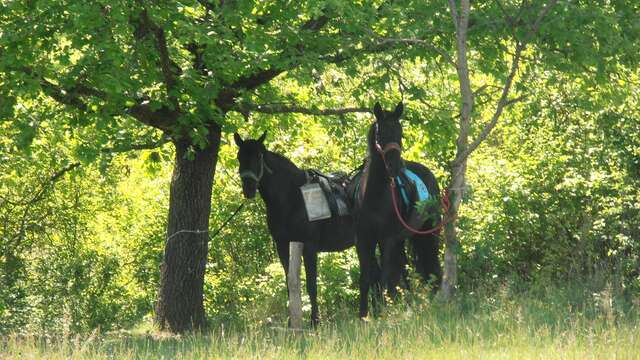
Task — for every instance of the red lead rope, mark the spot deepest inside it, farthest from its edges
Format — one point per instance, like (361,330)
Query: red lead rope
(445,207)
(444,200)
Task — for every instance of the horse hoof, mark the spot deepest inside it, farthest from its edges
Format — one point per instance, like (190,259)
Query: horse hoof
(364,319)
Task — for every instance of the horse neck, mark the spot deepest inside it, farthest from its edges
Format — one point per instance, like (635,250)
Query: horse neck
(377,180)
(276,184)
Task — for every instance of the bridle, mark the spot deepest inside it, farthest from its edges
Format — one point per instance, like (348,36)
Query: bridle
(249,174)
(383,150)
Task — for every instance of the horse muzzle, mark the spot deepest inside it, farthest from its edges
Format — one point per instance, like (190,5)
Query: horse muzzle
(394,164)
(249,187)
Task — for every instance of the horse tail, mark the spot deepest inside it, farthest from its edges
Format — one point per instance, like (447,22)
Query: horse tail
(426,258)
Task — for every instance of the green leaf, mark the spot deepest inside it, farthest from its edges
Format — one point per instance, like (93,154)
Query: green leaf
(7,104)
(85,153)
(26,134)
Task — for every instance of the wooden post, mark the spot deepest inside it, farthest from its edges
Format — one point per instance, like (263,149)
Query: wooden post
(293,280)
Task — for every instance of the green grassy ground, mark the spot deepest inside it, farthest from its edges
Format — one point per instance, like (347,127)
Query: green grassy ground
(542,324)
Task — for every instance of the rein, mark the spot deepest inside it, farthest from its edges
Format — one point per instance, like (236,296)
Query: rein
(392,184)
(445,206)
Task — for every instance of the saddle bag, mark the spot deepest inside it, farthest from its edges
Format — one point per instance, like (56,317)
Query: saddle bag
(324,195)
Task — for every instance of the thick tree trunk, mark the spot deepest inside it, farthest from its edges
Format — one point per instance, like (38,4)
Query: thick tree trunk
(180,300)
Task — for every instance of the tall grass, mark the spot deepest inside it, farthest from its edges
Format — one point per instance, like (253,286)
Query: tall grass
(495,323)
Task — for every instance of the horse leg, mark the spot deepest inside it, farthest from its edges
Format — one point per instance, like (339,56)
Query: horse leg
(366,254)
(405,270)
(376,285)
(311,271)
(391,265)
(282,247)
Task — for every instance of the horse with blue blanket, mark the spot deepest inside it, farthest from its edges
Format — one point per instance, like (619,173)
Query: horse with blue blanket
(393,198)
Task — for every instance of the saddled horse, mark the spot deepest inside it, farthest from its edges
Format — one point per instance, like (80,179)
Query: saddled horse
(278,180)
(380,217)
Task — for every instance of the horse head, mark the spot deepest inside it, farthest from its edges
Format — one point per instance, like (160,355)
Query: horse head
(386,138)
(251,155)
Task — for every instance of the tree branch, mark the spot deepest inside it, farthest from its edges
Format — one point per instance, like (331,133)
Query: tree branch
(414,41)
(316,24)
(515,100)
(170,70)
(462,23)
(504,100)
(163,118)
(284,109)
(207,5)
(54,177)
(131,147)
(38,195)
(226,98)
(197,51)
(62,96)
(541,15)
(71,96)
(228,95)
(454,13)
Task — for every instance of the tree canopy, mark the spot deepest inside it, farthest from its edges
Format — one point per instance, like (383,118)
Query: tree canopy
(93,93)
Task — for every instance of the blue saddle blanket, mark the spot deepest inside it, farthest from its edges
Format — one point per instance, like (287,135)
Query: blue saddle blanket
(421,187)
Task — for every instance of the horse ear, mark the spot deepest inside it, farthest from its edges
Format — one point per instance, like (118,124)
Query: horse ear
(238,139)
(377,111)
(398,111)
(261,138)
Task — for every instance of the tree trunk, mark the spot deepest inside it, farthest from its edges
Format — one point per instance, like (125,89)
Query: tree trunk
(460,18)
(180,300)
(450,278)
(459,165)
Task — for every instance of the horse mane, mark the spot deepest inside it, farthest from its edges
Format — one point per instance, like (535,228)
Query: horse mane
(281,162)
(371,141)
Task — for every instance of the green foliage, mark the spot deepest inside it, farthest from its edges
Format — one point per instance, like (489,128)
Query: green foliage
(58,271)
(561,204)
(83,229)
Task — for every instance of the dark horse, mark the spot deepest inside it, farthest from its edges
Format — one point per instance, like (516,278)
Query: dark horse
(279,181)
(376,219)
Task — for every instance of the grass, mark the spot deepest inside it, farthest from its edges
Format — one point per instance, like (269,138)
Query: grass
(546,323)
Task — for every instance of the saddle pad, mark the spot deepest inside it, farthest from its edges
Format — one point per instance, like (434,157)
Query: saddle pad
(421,187)
(422,190)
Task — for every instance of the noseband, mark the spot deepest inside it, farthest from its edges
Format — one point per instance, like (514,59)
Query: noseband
(249,174)
(383,150)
